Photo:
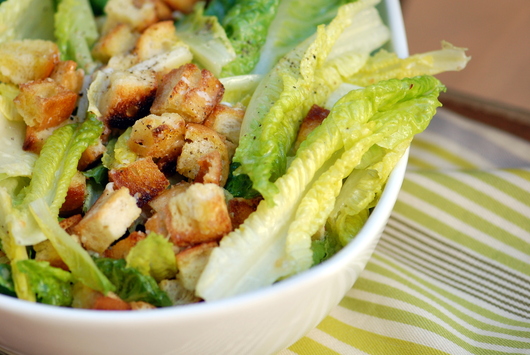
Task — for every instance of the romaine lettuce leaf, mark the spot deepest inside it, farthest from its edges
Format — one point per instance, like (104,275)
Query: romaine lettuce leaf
(79,262)
(239,89)
(14,161)
(21,19)
(51,285)
(7,287)
(131,285)
(219,8)
(76,32)
(246,25)
(8,92)
(118,154)
(153,256)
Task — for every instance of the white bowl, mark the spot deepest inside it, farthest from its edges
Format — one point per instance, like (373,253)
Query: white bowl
(260,322)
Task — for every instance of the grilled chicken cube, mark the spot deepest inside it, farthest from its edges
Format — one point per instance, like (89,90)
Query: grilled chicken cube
(27,60)
(108,219)
(189,91)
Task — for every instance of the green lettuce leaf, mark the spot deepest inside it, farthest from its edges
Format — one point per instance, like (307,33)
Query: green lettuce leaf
(324,248)
(118,154)
(153,256)
(239,89)
(21,19)
(7,287)
(275,241)
(8,92)
(79,262)
(246,24)
(240,185)
(51,285)
(131,285)
(206,39)
(219,8)
(76,32)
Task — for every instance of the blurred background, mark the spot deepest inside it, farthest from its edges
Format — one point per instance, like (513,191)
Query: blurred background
(497,35)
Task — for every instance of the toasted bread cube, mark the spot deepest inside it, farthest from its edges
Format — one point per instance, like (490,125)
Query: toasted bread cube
(210,169)
(140,306)
(139,14)
(45,103)
(177,293)
(201,141)
(75,196)
(35,138)
(142,178)
(191,262)
(66,74)
(240,208)
(110,302)
(108,219)
(128,98)
(226,120)
(68,223)
(158,136)
(312,120)
(198,215)
(163,11)
(121,249)
(119,40)
(158,38)
(27,60)
(91,155)
(44,251)
(188,91)
(121,62)
(184,6)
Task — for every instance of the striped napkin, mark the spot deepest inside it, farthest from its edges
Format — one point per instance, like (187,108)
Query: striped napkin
(451,273)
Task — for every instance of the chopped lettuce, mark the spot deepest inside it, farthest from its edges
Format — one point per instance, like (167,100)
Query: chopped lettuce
(239,89)
(7,287)
(51,285)
(79,262)
(219,8)
(76,32)
(275,241)
(21,19)
(14,161)
(324,248)
(8,92)
(118,154)
(246,24)
(240,185)
(153,256)
(131,285)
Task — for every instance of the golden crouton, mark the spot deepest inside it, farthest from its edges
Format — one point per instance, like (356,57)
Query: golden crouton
(138,14)
(142,178)
(27,60)
(197,215)
(108,219)
(188,91)
(91,155)
(200,141)
(128,97)
(177,293)
(35,138)
(119,40)
(240,208)
(44,251)
(184,6)
(210,168)
(44,103)
(313,119)
(110,302)
(191,263)
(158,136)
(68,223)
(121,249)
(140,306)
(226,120)
(156,39)
(66,74)
(75,196)
(122,62)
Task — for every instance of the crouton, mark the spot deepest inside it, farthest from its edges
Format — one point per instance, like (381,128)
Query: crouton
(158,136)
(226,120)
(200,141)
(313,119)
(44,251)
(140,306)
(35,138)
(210,168)
(240,208)
(91,155)
(110,302)
(119,40)
(75,196)
(158,38)
(197,215)
(66,74)
(177,293)
(188,91)
(121,249)
(108,219)
(44,103)
(138,14)
(191,263)
(160,202)
(70,222)
(121,62)
(142,178)
(127,98)
(184,6)
(27,60)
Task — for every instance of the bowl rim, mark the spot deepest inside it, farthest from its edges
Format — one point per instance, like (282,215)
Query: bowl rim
(391,13)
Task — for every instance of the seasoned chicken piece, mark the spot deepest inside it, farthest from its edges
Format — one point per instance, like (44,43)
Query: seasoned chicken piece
(27,60)
(177,293)
(121,249)
(191,262)
(44,103)
(108,219)
(188,91)
(313,119)
(66,74)
(142,178)
(158,136)
(119,40)
(201,141)
(126,97)
(226,120)
(193,215)
(75,196)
